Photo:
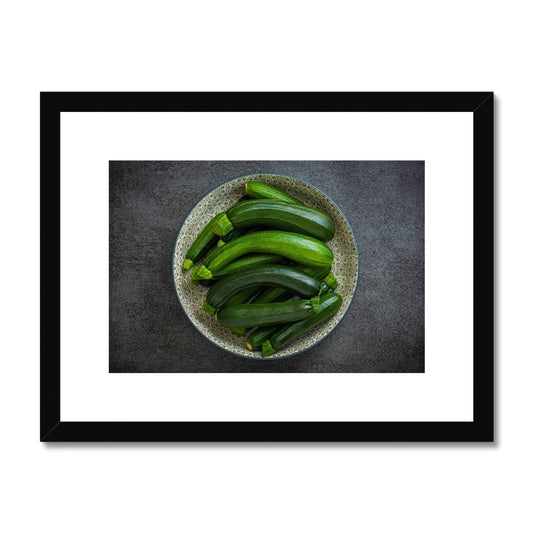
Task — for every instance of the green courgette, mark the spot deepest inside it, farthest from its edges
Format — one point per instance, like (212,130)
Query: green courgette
(300,248)
(241,264)
(241,297)
(205,240)
(258,336)
(250,315)
(272,294)
(328,305)
(258,189)
(286,277)
(201,245)
(276,214)
(277,294)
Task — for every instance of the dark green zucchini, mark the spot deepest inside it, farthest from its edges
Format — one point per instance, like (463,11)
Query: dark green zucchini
(239,232)
(201,245)
(286,277)
(205,240)
(240,298)
(277,294)
(259,336)
(241,264)
(273,294)
(300,248)
(280,215)
(328,305)
(258,189)
(250,315)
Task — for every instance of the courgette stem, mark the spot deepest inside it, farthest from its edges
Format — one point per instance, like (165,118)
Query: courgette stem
(258,336)
(331,281)
(204,272)
(194,275)
(209,308)
(223,226)
(267,349)
(195,279)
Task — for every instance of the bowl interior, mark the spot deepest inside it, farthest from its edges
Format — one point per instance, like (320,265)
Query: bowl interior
(345,265)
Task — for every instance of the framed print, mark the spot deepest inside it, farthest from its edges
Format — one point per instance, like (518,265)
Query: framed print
(267,267)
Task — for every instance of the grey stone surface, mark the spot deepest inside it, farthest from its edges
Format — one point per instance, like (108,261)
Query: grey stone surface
(383,331)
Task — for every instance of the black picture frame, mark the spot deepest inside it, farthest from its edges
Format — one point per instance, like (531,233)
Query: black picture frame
(481,429)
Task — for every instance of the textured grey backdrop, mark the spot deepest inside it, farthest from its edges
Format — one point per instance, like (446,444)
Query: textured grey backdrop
(383,330)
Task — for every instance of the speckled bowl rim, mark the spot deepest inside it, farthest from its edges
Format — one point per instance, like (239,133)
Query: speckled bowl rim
(255,358)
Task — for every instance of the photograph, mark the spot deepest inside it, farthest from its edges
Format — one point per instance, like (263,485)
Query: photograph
(335,257)
(266,266)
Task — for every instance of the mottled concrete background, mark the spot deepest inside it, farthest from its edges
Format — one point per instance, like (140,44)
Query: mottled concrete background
(383,331)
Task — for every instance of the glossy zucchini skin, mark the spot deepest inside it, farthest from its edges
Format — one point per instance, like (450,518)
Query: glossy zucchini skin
(250,315)
(259,336)
(242,264)
(251,260)
(206,239)
(277,294)
(326,289)
(286,277)
(281,215)
(300,248)
(273,294)
(202,244)
(258,189)
(328,305)
(242,296)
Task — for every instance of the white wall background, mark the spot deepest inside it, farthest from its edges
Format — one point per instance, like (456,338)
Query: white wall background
(232,45)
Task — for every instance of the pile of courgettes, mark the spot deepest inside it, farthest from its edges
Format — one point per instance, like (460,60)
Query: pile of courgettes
(267,267)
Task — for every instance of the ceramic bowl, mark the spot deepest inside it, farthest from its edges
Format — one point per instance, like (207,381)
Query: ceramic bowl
(345,264)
